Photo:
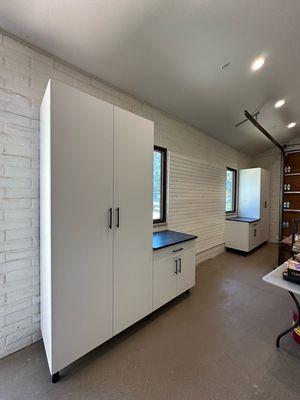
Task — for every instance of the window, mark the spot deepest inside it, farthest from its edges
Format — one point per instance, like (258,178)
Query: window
(230,190)
(159,184)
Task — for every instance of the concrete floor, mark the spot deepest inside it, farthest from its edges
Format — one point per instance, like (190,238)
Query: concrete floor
(216,344)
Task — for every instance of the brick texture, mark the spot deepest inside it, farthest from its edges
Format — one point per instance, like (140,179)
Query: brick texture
(24,73)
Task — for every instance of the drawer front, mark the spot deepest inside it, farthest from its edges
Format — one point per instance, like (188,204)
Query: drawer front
(291,184)
(287,222)
(291,201)
(174,250)
(292,163)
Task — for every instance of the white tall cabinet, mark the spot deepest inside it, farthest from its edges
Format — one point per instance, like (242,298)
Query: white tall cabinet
(96,222)
(250,228)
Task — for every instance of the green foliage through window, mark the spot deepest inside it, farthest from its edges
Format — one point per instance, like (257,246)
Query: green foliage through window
(159,184)
(230,190)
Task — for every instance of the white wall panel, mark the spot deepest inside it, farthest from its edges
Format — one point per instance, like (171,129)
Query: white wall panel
(197,200)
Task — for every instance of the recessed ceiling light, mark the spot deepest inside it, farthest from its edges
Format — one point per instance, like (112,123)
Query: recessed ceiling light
(291,124)
(279,103)
(258,63)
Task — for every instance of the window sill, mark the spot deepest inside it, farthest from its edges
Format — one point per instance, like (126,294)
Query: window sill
(159,225)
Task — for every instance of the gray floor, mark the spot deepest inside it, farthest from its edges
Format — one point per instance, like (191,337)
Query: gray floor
(216,344)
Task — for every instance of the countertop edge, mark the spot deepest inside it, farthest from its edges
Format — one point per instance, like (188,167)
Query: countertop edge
(240,220)
(174,243)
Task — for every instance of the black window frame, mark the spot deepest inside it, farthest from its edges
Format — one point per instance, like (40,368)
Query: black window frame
(163,199)
(234,190)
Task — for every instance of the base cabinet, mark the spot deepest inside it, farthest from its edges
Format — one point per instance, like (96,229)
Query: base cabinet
(245,236)
(173,272)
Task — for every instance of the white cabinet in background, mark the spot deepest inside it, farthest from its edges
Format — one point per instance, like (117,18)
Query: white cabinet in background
(251,227)
(254,194)
(96,222)
(173,272)
(243,236)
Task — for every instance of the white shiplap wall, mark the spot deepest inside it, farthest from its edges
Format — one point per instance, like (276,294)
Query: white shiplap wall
(197,200)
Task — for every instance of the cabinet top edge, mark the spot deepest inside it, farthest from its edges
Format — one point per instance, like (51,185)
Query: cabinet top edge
(167,238)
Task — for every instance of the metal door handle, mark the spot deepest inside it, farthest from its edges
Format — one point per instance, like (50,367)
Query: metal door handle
(254,232)
(110,218)
(176,266)
(179,265)
(118,217)
(175,251)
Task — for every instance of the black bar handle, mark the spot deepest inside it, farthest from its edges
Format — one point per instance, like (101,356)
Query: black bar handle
(176,266)
(179,265)
(175,251)
(110,218)
(118,217)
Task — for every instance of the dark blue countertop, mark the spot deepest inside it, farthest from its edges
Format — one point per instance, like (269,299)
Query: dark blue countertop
(168,238)
(242,219)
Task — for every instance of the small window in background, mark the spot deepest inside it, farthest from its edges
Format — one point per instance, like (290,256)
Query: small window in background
(230,190)
(159,184)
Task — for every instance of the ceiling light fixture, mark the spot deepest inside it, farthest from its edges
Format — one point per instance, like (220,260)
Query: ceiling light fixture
(258,63)
(279,103)
(291,125)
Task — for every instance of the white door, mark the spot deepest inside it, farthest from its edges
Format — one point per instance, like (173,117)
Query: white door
(82,242)
(186,275)
(165,273)
(133,152)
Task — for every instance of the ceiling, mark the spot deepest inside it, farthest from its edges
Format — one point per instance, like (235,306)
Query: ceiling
(169,53)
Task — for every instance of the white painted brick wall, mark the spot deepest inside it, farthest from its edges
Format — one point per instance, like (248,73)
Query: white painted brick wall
(24,73)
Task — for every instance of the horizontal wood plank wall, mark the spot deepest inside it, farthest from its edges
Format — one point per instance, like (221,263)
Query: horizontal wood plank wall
(197,200)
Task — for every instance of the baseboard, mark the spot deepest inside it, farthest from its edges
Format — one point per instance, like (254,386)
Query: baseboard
(209,253)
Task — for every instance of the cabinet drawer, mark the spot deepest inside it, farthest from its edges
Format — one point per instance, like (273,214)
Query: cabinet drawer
(174,250)
(291,201)
(292,163)
(292,184)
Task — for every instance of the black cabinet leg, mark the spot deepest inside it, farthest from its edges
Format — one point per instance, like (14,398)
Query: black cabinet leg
(295,325)
(188,291)
(55,377)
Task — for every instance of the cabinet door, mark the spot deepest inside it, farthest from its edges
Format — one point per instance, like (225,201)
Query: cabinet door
(237,235)
(265,204)
(82,193)
(186,275)
(255,234)
(250,193)
(133,154)
(164,281)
